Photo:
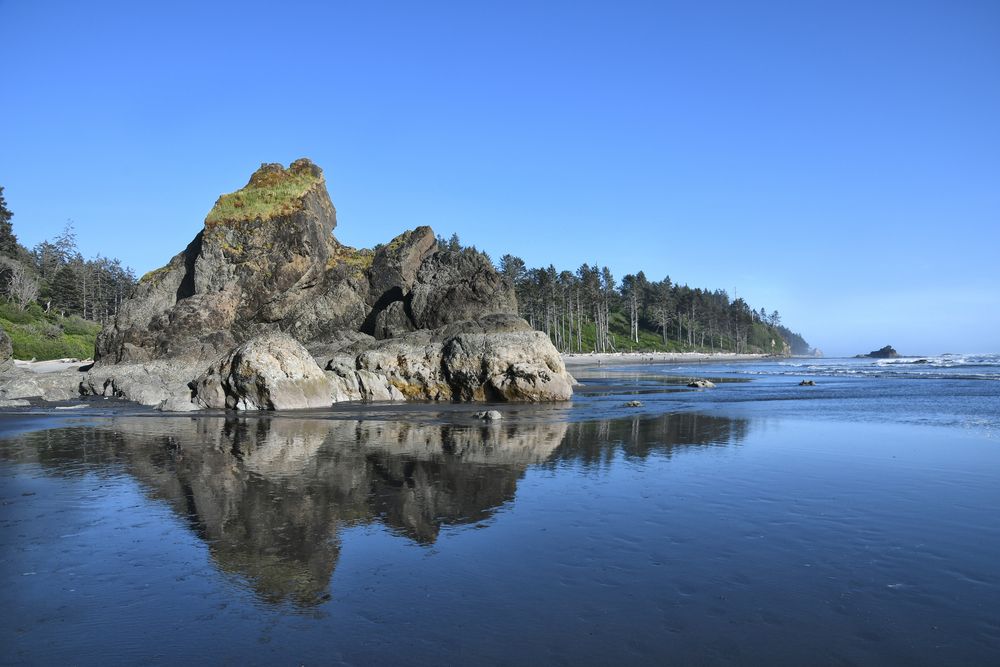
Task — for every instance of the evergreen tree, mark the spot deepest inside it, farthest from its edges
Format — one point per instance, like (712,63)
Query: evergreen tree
(8,242)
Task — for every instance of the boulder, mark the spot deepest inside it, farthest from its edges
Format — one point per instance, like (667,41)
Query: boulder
(489,415)
(701,384)
(272,371)
(14,403)
(496,357)
(18,383)
(633,404)
(807,383)
(512,366)
(161,384)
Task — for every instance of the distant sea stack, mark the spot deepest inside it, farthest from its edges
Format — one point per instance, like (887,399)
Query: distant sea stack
(405,320)
(886,352)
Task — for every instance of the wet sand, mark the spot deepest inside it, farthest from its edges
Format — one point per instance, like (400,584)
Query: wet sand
(607,358)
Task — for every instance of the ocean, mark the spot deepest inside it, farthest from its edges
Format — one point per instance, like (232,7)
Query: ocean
(759,522)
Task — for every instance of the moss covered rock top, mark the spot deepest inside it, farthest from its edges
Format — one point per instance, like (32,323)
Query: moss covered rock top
(272,191)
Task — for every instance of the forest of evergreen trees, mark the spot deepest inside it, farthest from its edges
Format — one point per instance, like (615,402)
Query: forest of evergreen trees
(56,277)
(585,310)
(588,311)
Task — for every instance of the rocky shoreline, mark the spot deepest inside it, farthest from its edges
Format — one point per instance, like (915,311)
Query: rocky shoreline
(266,310)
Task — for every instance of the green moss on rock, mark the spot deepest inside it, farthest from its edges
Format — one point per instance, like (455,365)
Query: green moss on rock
(271,192)
(356,261)
(155,274)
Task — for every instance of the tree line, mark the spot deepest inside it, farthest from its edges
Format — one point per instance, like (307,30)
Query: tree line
(587,310)
(55,275)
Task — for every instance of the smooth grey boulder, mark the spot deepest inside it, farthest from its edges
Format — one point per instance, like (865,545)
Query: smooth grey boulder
(272,371)
(17,383)
(497,357)
(701,384)
(14,403)
(162,384)
(514,366)
(489,415)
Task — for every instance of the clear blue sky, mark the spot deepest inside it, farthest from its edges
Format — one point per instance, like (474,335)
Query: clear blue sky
(836,161)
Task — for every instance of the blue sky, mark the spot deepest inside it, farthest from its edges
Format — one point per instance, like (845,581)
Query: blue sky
(836,161)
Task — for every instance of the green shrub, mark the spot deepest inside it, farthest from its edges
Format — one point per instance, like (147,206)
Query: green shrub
(35,334)
(11,313)
(74,325)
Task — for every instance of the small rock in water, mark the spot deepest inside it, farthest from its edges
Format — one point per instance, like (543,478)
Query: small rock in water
(489,415)
(701,384)
(633,404)
(807,383)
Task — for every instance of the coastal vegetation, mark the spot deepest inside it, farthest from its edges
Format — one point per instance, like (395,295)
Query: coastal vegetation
(54,301)
(587,310)
(272,191)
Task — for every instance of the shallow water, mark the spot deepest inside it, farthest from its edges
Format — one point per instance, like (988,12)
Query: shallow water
(760,522)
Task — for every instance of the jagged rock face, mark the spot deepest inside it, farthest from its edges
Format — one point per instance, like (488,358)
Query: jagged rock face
(265,277)
(396,264)
(415,285)
(263,251)
(267,259)
(455,286)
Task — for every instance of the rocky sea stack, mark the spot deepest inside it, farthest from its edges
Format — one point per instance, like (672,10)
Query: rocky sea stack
(887,352)
(265,299)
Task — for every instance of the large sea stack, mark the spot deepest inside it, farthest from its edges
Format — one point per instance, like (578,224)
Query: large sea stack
(265,296)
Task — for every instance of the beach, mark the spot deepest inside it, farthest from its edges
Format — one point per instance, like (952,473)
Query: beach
(608,358)
(759,522)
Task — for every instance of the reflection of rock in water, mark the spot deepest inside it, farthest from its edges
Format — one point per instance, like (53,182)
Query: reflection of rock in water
(269,496)
(596,441)
(427,476)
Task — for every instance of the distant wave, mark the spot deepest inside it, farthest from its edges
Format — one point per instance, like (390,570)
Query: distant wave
(944,367)
(947,361)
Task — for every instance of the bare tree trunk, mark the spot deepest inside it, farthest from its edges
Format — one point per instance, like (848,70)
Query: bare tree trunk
(22,287)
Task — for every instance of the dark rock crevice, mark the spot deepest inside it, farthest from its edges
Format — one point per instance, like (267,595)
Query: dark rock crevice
(191,253)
